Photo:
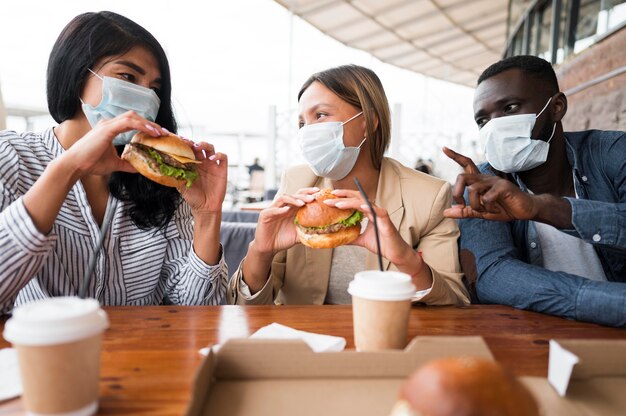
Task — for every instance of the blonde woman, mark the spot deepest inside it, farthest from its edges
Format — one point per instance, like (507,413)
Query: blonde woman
(344,132)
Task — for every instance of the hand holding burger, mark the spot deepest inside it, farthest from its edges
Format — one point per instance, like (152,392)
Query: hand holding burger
(394,248)
(177,162)
(321,226)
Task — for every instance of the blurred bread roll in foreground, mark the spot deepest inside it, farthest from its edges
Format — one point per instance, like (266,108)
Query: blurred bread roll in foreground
(464,386)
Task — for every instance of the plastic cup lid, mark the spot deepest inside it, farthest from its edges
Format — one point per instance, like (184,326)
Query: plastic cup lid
(377,285)
(53,321)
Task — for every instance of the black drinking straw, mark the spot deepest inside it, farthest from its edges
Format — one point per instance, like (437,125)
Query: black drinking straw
(106,223)
(369,204)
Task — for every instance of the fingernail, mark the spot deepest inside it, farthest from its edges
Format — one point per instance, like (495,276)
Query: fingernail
(212,157)
(165,130)
(299,202)
(339,204)
(149,127)
(364,206)
(196,145)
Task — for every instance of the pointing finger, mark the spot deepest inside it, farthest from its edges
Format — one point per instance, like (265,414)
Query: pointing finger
(465,162)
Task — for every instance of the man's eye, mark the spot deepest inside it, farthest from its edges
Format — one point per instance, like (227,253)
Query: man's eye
(300,124)
(511,108)
(481,122)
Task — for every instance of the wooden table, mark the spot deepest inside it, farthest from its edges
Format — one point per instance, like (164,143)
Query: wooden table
(150,354)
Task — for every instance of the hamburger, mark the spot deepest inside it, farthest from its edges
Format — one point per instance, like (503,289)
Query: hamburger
(167,160)
(321,226)
(464,386)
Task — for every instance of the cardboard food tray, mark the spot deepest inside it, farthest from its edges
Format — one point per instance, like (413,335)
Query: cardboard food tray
(585,377)
(280,377)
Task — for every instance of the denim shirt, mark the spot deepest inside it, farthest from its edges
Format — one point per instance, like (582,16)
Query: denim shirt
(508,256)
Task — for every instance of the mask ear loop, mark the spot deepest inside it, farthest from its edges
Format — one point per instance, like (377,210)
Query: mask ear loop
(554,127)
(552,135)
(101,79)
(98,76)
(544,107)
(351,118)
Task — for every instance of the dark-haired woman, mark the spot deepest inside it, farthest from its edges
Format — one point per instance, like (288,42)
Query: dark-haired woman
(107,78)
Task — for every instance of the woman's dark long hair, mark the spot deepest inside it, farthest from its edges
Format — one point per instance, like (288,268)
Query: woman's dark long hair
(85,40)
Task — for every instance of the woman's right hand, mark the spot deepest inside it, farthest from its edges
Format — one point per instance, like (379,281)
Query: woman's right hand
(275,228)
(95,154)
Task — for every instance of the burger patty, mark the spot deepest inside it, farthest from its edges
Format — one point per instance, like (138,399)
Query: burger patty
(329,229)
(140,150)
(167,159)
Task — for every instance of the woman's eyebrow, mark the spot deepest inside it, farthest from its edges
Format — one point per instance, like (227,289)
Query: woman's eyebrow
(132,66)
(320,105)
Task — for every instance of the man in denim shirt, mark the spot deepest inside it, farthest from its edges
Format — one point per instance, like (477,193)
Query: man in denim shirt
(543,223)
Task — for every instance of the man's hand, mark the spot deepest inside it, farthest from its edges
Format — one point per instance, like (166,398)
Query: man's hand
(494,198)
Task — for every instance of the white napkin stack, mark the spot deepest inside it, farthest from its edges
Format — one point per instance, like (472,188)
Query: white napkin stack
(317,342)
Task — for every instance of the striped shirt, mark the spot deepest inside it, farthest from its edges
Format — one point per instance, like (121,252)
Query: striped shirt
(135,267)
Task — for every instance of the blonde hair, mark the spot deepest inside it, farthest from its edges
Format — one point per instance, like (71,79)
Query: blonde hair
(360,87)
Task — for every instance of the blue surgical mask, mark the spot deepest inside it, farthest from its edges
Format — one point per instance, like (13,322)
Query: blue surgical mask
(118,97)
(323,149)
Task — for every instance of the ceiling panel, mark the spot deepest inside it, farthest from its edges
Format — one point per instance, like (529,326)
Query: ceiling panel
(452,40)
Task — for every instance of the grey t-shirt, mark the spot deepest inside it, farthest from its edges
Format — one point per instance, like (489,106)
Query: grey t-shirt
(347,261)
(565,253)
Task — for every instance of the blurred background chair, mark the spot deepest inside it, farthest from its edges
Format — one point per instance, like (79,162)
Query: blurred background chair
(236,233)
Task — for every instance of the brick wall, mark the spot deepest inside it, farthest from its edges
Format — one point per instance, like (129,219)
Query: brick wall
(602,106)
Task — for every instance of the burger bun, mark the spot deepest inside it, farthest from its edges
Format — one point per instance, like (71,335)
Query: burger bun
(332,240)
(317,214)
(464,386)
(170,144)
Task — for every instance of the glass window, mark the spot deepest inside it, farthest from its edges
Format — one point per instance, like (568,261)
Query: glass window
(616,13)
(518,42)
(544,21)
(587,23)
(516,11)
(564,23)
(595,18)
(581,24)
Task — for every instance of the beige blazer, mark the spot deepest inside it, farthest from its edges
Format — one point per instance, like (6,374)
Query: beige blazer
(415,203)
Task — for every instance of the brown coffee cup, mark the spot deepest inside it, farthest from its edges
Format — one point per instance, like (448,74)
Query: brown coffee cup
(381,302)
(58,347)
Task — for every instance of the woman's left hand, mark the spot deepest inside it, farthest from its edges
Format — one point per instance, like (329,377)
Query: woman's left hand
(207,193)
(392,246)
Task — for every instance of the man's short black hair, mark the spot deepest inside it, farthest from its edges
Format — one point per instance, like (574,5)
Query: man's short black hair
(533,65)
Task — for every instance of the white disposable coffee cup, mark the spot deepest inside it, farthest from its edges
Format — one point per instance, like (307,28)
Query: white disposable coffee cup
(58,346)
(381,302)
